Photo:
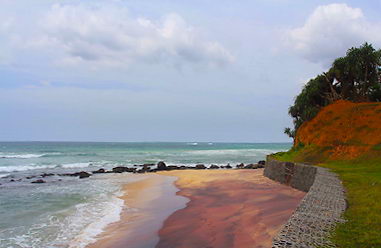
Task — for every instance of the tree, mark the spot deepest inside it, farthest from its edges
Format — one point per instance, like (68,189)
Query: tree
(355,77)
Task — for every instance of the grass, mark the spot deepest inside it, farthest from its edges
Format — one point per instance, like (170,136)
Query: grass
(362,179)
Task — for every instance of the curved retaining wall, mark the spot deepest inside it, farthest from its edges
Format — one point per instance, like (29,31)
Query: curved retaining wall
(320,210)
(298,176)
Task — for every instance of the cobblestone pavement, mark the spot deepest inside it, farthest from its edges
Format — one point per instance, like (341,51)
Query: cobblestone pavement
(317,214)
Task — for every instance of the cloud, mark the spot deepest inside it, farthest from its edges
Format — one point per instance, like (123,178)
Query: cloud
(109,35)
(330,30)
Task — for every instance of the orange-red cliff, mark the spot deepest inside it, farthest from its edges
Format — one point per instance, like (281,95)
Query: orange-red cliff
(343,130)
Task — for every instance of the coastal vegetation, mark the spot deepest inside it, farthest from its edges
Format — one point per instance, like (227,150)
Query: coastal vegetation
(355,77)
(337,120)
(346,137)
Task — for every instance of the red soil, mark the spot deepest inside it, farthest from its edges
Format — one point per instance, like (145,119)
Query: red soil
(348,129)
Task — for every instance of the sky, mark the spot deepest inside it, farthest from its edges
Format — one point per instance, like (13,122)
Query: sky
(149,70)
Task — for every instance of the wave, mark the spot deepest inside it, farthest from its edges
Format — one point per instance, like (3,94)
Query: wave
(19,168)
(25,156)
(76,165)
(4,175)
(235,151)
(193,144)
(111,213)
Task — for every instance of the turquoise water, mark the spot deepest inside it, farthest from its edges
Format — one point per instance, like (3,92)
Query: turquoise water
(65,208)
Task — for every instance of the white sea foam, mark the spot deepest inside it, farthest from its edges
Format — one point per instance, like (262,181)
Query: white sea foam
(4,175)
(193,144)
(76,165)
(17,168)
(234,151)
(24,156)
(110,214)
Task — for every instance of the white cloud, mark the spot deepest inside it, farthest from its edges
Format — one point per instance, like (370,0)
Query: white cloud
(108,35)
(330,30)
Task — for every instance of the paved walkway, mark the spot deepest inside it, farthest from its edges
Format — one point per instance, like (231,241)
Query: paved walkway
(317,214)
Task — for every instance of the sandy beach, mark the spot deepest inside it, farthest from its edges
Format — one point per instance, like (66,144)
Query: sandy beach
(226,208)
(148,202)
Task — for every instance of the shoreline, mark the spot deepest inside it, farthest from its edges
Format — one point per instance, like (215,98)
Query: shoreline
(145,211)
(203,208)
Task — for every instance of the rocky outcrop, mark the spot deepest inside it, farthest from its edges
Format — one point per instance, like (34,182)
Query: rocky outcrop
(39,181)
(200,167)
(161,166)
(121,169)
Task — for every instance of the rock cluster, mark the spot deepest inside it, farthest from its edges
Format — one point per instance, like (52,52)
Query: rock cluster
(144,168)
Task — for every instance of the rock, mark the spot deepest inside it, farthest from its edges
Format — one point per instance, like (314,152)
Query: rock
(83,174)
(213,166)
(173,167)
(262,162)
(251,166)
(200,167)
(161,166)
(240,166)
(12,180)
(47,174)
(144,165)
(121,169)
(30,177)
(99,171)
(261,166)
(228,166)
(39,181)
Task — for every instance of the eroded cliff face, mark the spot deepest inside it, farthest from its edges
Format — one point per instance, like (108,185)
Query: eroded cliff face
(342,130)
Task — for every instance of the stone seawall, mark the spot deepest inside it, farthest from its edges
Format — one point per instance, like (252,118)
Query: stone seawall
(296,175)
(320,210)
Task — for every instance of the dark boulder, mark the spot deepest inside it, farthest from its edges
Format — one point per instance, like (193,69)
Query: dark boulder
(262,162)
(121,169)
(145,169)
(83,174)
(241,165)
(213,166)
(200,167)
(161,166)
(99,171)
(173,167)
(39,181)
(47,174)
(251,166)
(228,166)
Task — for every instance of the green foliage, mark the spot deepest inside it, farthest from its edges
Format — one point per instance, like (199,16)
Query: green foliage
(289,132)
(362,180)
(355,77)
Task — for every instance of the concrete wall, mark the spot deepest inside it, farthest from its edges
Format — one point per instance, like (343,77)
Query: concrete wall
(296,175)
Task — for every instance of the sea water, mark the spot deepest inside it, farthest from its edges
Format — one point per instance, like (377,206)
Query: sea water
(64,209)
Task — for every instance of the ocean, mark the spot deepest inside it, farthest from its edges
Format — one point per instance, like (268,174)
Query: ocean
(70,212)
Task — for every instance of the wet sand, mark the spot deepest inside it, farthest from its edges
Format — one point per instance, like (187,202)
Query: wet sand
(227,208)
(148,202)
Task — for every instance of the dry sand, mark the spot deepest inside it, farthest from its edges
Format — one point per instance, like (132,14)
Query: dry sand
(227,208)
